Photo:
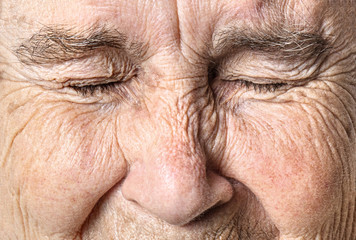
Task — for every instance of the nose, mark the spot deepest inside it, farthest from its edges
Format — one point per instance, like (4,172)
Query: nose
(176,186)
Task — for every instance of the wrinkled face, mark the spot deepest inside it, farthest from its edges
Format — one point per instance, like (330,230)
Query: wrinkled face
(177,119)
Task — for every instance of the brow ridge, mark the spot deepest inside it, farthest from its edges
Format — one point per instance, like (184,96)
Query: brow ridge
(57,44)
(282,44)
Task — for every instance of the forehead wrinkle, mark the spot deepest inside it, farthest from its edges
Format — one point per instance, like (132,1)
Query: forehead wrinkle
(297,14)
(266,15)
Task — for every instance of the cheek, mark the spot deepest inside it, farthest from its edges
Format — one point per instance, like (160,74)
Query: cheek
(60,159)
(287,160)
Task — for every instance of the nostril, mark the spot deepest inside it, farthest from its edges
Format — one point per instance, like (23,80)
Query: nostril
(209,212)
(218,204)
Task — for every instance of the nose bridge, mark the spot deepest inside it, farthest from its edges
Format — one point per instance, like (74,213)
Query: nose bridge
(179,168)
(177,125)
(182,107)
(179,119)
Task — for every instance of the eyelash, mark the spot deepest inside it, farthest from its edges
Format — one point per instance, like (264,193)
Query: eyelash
(91,90)
(117,83)
(257,87)
(260,87)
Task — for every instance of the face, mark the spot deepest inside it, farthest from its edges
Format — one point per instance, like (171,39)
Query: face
(171,120)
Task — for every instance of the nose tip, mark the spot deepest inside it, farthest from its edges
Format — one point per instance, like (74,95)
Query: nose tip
(176,197)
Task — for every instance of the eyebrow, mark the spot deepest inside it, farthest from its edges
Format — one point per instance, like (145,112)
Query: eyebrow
(279,44)
(57,44)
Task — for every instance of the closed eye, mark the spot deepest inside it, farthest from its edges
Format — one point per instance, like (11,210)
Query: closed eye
(114,92)
(93,87)
(260,87)
(91,90)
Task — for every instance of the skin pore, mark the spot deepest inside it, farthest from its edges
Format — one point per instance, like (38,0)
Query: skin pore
(177,119)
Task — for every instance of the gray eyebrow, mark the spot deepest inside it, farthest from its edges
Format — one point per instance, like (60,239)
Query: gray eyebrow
(57,44)
(279,44)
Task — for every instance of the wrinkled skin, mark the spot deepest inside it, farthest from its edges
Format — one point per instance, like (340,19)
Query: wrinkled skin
(176,151)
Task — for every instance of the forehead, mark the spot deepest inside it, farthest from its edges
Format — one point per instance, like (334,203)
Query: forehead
(159,22)
(83,11)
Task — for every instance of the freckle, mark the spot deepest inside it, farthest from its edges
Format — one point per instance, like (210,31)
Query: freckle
(11,107)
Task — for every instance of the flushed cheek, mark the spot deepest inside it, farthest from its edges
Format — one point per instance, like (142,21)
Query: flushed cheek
(287,163)
(297,193)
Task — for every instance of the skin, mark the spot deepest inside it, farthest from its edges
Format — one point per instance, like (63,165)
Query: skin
(181,155)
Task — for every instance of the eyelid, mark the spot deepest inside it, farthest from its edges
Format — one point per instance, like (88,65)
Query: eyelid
(255,80)
(266,87)
(266,80)
(261,85)
(115,85)
(116,77)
